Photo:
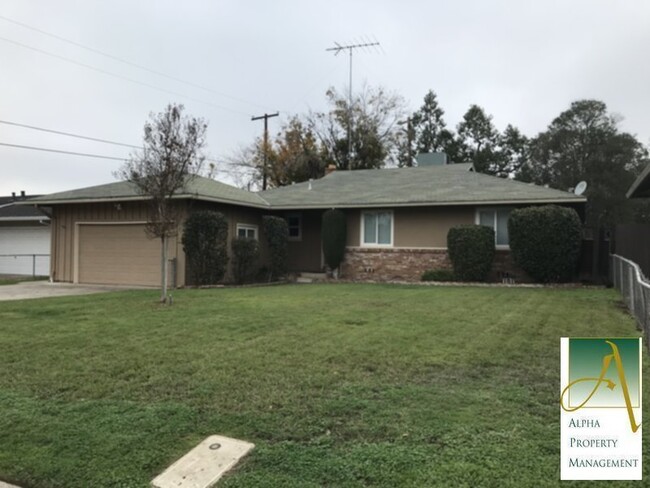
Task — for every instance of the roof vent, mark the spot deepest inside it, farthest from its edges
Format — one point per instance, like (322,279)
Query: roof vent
(310,180)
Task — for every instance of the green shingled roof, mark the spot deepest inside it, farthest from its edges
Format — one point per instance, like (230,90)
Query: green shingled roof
(199,188)
(452,184)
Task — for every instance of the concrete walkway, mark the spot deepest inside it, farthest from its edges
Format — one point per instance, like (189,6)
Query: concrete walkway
(45,289)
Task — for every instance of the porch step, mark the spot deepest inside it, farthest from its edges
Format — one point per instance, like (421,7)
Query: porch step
(310,277)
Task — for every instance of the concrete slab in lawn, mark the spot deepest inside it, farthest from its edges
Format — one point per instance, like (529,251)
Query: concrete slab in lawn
(7,485)
(204,465)
(45,289)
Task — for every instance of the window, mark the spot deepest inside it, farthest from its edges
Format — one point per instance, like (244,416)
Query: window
(497,219)
(294,222)
(377,228)
(247,231)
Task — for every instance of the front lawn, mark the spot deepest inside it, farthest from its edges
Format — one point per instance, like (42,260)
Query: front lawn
(337,385)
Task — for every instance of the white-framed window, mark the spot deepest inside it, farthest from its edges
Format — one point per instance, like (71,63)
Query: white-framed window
(377,228)
(247,230)
(294,222)
(497,219)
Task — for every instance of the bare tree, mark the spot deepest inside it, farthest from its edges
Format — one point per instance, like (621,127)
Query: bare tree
(375,113)
(170,158)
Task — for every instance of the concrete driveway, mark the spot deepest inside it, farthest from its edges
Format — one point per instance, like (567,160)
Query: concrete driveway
(45,289)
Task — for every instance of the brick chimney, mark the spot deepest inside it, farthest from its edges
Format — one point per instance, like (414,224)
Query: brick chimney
(330,169)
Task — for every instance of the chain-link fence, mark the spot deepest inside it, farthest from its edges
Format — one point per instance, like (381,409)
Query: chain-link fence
(628,279)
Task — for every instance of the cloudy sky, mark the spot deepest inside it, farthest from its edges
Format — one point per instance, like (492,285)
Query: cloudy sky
(523,61)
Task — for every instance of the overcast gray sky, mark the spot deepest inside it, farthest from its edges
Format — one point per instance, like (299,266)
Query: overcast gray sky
(523,61)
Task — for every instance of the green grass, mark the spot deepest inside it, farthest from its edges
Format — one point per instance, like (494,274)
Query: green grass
(337,385)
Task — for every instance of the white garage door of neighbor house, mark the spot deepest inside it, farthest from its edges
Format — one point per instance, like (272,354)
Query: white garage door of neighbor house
(17,241)
(119,254)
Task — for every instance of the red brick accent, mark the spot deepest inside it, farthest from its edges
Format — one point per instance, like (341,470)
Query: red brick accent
(391,264)
(408,264)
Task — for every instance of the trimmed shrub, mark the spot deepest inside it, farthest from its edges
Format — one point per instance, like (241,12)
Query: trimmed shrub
(245,257)
(205,238)
(438,275)
(545,241)
(471,251)
(335,234)
(276,231)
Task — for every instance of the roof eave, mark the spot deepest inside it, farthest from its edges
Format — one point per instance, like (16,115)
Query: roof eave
(24,219)
(136,198)
(636,189)
(429,204)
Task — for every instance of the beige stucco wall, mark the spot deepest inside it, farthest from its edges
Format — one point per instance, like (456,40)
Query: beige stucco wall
(418,227)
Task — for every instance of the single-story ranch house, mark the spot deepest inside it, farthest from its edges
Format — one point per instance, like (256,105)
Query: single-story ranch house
(397,219)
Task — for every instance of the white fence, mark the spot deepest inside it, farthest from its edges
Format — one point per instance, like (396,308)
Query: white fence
(25,264)
(628,279)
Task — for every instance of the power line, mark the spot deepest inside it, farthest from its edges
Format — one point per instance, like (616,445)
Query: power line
(69,134)
(78,136)
(60,151)
(109,73)
(129,63)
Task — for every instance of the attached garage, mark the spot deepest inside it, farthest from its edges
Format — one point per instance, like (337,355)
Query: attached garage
(117,253)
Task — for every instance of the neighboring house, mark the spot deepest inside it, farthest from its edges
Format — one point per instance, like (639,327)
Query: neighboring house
(398,221)
(641,186)
(24,238)
(632,241)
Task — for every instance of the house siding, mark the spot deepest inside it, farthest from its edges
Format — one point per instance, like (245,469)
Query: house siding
(306,254)
(64,228)
(420,244)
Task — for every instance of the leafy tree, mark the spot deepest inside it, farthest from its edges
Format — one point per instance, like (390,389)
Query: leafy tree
(585,143)
(171,156)
(479,139)
(429,125)
(426,131)
(296,155)
(512,153)
(375,114)
(205,242)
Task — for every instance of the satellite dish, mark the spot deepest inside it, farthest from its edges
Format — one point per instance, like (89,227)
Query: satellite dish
(580,188)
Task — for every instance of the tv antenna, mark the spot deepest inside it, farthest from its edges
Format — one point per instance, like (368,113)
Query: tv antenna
(350,48)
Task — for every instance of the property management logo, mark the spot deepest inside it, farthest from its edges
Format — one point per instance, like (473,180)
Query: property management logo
(600,409)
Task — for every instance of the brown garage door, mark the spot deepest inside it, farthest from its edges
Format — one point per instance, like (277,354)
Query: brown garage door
(118,255)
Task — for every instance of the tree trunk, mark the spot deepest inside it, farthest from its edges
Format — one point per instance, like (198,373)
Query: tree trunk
(163,269)
(595,257)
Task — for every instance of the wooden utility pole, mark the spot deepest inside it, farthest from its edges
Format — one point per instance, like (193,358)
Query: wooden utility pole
(265,149)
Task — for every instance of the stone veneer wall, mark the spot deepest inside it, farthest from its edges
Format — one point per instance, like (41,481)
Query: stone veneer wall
(408,264)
